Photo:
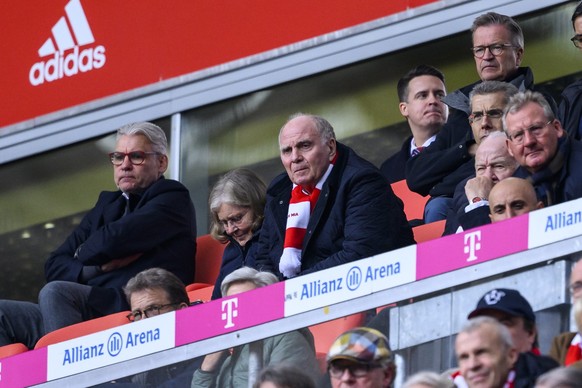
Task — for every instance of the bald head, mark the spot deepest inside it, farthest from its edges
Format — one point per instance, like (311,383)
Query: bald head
(492,158)
(512,197)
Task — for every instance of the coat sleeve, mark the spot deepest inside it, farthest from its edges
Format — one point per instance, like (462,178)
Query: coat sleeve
(294,349)
(373,222)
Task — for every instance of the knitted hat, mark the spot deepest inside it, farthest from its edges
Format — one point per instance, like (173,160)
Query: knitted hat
(362,344)
(505,300)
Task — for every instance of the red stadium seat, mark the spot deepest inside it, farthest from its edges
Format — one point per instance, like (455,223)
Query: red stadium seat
(428,232)
(413,202)
(12,349)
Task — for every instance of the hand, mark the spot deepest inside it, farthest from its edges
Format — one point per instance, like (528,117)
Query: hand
(213,361)
(119,263)
(472,150)
(478,187)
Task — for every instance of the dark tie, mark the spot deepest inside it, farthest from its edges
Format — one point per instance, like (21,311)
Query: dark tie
(417,151)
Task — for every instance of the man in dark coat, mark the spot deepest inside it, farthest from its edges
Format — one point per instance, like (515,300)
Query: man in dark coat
(420,92)
(498,51)
(149,222)
(548,157)
(330,208)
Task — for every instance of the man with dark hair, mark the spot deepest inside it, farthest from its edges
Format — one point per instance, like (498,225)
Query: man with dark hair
(420,92)
(548,157)
(498,48)
(331,206)
(149,222)
(570,110)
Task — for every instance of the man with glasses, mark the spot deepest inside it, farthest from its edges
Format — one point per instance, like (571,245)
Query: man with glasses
(149,222)
(498,50)
(361,358)
(548,158)
(570,111)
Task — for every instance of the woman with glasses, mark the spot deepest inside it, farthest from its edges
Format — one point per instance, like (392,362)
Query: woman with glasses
(237,202)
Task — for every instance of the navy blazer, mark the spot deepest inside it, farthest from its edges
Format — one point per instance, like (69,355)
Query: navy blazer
(356,216)
(394,167)
(162,227)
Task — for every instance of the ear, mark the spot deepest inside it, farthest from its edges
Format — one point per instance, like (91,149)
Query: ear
(403,107)
(332,149)
(182,306)
(539,205)
(512,356)
(558,126)
(518,56)
(163,160)
(508,143)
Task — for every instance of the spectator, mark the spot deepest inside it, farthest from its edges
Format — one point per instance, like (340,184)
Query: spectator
(512,197)
(498,49)
(570,110)
(470,204)
(283,376)
(567,347)
(330,208)
(512,310)
(231,369)
(561,378)
(237,203)
(149,293)
(361,357)
(427,380)
(576,280)
(487,357)
(149,222)
(420,92)
(547,156)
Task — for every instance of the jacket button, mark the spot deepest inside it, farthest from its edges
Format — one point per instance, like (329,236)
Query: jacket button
(280,202)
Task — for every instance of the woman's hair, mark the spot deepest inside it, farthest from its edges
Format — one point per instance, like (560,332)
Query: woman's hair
(239,187)
(430,379)
(284,376)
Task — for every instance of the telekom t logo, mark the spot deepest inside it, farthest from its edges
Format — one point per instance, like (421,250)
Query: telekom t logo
(472,244)
(229,311)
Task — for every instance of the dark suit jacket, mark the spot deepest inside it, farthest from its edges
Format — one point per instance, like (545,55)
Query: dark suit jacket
(393,168)
(162,227)
(356,216)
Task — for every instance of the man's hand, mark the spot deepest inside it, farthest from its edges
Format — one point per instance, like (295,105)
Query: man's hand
(478,187)
(120,263)
(213,361)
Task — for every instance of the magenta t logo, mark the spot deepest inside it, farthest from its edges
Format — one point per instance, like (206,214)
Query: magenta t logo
(472,244)
(229,311)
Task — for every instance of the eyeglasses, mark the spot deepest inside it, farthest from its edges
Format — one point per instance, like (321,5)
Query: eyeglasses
(476,117)
(136,157)
(495,49)
(148,312)
(577,40)
(235,220)
(356,370)
(535,130)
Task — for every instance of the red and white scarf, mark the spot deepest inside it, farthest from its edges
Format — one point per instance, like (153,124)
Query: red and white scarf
(574,351)
(300,207)
(460,382)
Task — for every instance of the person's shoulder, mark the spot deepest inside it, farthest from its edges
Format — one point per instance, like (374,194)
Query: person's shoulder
(528,362)
(280,183)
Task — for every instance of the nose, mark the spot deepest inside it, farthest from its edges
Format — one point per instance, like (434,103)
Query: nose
(346,376)
(230,227)
(489,173)
(126,164)
(528,138)
(488,54)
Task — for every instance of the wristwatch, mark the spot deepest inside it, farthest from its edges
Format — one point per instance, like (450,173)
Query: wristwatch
(478,199)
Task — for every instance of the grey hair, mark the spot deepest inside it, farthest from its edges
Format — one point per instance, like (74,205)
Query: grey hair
(430,379)
(151,131)
(519,100)
(247,274)
(157,278)
(561,377)
(323,127)
(284,376)
(476,323)
(490,87)
(493,19)
(239,187)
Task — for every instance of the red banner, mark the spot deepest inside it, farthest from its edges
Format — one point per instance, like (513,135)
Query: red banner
(62,53)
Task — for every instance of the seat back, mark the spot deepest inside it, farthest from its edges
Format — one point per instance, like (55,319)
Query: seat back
(208,259)
(204,294)
(413,202)
(12,349)
(84,328)
(325,333)
(429,231)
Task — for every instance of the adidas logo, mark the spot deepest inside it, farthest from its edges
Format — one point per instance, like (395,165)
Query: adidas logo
(67,58)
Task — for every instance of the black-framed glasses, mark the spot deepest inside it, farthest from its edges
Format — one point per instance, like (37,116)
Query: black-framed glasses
(336,370)
(535,130)
(495,49)
(577,40)
(148,312)
(136,157)
(476,117)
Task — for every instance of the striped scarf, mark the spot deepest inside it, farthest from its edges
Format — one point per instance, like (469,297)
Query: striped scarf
(300,207)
